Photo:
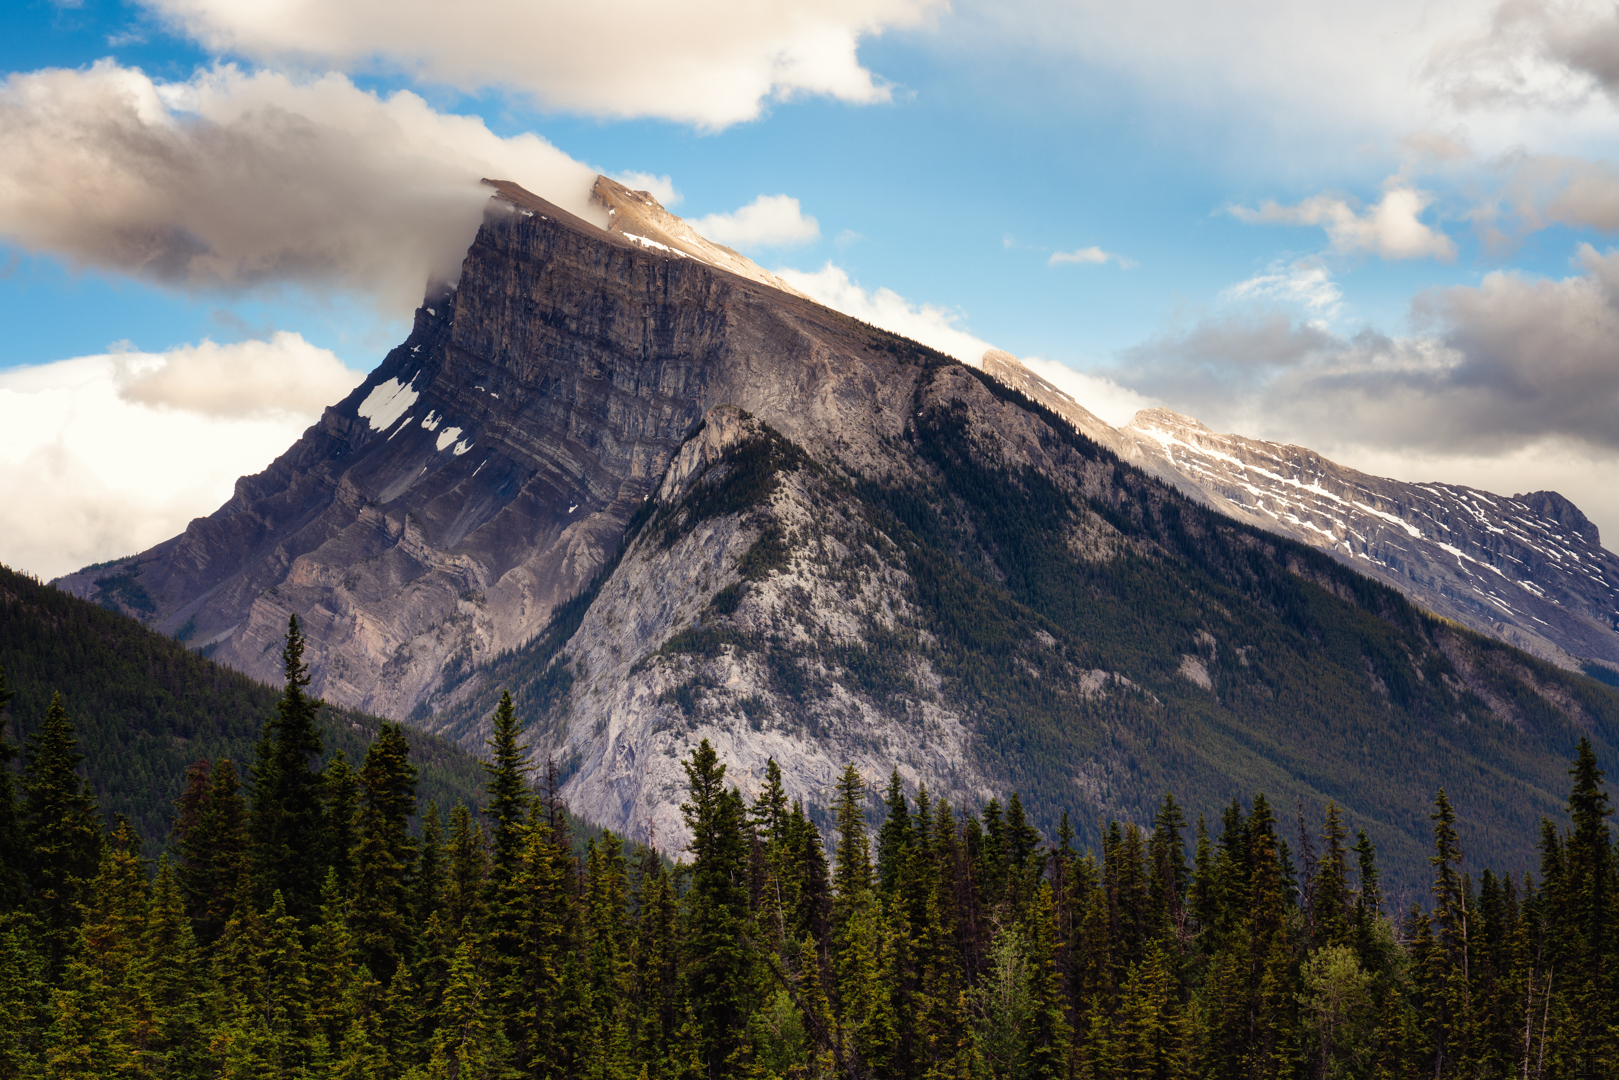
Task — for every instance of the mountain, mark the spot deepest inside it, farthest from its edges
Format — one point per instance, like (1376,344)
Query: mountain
(145,707)
(1529,569)
(662,499)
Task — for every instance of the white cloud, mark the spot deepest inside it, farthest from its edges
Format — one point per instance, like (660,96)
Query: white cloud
(1087,256)
(230,180)
(705,62)
(1390,229)
(768,221)
(1110,402)
(89,471)
(248,380)
(1306,282)
(928,323)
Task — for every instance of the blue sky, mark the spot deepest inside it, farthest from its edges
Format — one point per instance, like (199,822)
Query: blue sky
(1383,232)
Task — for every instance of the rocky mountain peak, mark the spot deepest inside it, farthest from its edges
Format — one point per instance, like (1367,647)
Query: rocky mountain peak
(641,219)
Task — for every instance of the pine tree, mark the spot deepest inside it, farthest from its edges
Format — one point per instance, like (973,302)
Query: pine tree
(716,965)
(508,790)
(172,986)
(1454,1020)
(287,821)
(62,830)
(340,796)
(210,834)
(894,835)
(13,849)
(384,855)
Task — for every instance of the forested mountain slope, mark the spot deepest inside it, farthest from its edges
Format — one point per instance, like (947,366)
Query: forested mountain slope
(1005,605)
(145,707)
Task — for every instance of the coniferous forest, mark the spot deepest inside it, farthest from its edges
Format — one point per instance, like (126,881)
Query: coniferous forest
(298,926)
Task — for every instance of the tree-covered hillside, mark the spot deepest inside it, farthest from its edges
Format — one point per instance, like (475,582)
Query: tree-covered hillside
(146,708)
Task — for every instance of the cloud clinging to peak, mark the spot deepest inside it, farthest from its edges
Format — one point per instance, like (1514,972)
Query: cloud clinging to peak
(705,62)
(231,180)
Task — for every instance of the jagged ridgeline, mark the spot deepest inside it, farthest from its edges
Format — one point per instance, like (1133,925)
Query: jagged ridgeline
(663,500)
(145,707)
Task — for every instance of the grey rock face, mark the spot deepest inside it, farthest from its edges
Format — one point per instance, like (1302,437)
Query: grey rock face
(1528,569)
(486,469)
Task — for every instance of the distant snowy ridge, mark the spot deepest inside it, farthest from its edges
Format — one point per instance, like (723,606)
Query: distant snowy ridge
(1529,569)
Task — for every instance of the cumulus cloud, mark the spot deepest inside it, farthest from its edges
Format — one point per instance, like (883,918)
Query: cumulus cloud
(768,221)
(232,180)
(1532,52)
(1536,191)
(705,62)
(1508,386)
(247,380)
(1390,229)
(930,324)
(1509,364)
(106,455)
(1086,256)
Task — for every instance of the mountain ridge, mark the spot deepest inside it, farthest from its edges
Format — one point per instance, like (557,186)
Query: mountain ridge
(663,501)
(1418,537)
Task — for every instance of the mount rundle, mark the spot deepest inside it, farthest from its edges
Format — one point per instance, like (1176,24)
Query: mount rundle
(660,496)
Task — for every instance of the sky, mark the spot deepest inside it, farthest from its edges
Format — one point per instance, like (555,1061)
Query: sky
(1384,230)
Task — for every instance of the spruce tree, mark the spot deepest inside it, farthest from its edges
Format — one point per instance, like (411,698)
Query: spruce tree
(852,862)
(384,855)
(894,835)
(211,837)
(716,967)
(1450,964)
(507,786)
(172,984)
(340,797)
(13,849)
(287,820)
(62,830)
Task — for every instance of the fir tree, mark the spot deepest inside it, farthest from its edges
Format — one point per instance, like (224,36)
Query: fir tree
(384,855)
(62,830)
(716,962)
(13,849)
(508,790)
(894,835)
(287,822)
(211,836)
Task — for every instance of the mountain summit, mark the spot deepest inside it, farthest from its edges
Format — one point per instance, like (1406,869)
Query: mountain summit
(662,499)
